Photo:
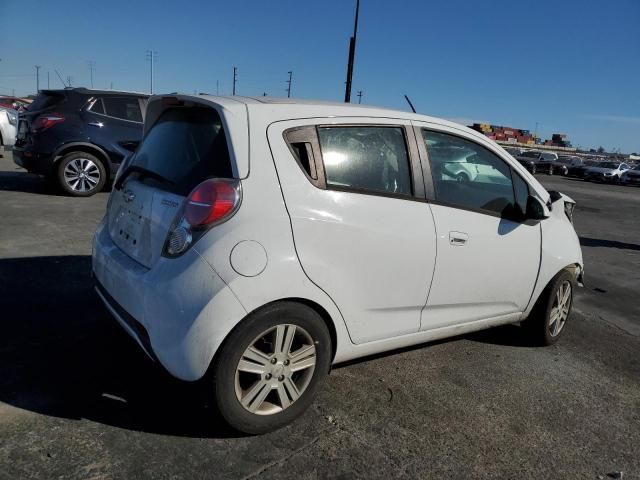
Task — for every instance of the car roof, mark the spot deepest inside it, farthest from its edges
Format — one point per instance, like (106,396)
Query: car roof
(287,108)
(91,91)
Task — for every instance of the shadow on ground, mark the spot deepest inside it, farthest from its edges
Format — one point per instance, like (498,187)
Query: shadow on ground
(61,354)
(21,181)
(599,242)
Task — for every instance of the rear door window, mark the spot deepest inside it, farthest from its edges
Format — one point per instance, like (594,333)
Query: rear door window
(124,108)
(184,147)
(368,159)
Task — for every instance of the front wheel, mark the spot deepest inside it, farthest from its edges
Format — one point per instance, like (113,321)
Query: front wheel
(81,174)
(551,312)
(269,368)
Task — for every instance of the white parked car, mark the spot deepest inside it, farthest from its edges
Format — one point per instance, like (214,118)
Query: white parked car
(8,125)
(263,240)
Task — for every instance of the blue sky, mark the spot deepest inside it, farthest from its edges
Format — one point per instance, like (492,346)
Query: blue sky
(572,66)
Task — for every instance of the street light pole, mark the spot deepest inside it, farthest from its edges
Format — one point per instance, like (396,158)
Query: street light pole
(352,53)
(235,79)
(37,78)
(151,55)
(289,85)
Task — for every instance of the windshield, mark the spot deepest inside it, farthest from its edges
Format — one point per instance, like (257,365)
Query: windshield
(184,147)
(607,165)
(530,154)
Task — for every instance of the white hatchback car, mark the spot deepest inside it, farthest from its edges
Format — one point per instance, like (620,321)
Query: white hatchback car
(254,242)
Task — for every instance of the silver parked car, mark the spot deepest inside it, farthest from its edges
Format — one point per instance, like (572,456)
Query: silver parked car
(8,125)
(608,171)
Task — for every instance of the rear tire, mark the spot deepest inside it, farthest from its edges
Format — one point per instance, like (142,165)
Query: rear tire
(550,171)
(259,386)
(81,174)
(549,316)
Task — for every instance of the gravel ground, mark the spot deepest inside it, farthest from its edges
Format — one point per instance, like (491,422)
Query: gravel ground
(79,400)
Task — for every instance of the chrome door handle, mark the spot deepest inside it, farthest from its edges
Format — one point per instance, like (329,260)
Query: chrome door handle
(458,239)
(96,124)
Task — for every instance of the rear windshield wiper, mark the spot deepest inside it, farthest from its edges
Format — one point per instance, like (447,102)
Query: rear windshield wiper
(144,172)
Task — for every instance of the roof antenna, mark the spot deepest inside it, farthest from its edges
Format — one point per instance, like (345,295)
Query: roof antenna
(410,104)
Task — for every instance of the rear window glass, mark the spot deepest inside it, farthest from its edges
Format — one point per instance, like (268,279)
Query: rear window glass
(185,147)
(45,100)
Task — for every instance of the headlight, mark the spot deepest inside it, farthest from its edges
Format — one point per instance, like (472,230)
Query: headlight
(568,209)
(13,117)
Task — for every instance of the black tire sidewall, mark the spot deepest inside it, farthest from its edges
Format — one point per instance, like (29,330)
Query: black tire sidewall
(224,366)
(539,320)
(72,156)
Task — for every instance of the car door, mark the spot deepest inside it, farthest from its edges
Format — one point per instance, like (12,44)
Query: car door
(362,228)
(487,260)
(115,124)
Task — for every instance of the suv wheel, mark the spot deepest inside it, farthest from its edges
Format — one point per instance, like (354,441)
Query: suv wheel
(550,172)
(551,312)
(81,174)
(269,368)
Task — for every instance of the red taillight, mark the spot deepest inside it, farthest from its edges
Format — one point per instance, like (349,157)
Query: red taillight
(44,122)
(210,202)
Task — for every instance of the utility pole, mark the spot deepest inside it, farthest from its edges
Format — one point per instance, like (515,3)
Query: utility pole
(217,87)
(289,85)
(359,96)
(151,55)
(37,78)
(111,88)
(92,65)
(69,78)
(352,53)
(48,87)
(235,79)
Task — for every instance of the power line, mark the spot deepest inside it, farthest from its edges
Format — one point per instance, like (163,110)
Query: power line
(60,77)
(359,96)
(289,85)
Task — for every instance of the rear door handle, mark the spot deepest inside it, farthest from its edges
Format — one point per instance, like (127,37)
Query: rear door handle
(97,124)
(458,239)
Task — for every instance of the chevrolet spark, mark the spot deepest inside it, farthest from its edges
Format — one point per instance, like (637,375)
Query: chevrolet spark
(253,242)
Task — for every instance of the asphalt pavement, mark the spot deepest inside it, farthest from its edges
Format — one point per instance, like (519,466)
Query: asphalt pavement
(79,400)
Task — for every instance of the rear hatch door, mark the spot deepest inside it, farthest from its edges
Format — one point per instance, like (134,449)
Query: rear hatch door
(184,147)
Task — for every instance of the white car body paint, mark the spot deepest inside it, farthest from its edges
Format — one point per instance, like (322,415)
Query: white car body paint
(370,262)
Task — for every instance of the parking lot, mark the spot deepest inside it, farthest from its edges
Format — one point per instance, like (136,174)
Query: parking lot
(79,400)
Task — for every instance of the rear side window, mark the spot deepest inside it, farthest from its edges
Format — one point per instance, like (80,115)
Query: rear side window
(97,106)
(46,100)
(373,159)
(123,108)
(184,147)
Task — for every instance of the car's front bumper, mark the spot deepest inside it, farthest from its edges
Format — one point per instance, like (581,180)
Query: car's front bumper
(179,311)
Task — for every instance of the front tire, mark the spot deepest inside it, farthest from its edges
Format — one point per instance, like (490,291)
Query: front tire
(268,370)
(81,174)
(551,312)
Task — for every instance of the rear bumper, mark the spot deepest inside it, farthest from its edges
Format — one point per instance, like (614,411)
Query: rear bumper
(34,162)
(179,311)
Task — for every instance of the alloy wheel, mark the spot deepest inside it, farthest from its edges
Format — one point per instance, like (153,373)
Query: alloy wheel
(275,370)
(81,174)
(560,309)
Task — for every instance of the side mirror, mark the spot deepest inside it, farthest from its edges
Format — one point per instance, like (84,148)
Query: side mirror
(535,209)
